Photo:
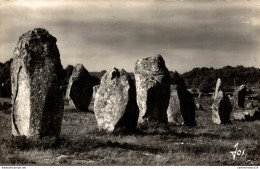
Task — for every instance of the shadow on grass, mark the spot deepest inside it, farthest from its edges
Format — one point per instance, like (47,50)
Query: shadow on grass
(72,110)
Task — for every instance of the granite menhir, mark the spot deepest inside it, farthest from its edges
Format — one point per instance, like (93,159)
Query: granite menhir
(181,109)
(115,104)
(80,88)
(152,80)
(221,108)
(36,74)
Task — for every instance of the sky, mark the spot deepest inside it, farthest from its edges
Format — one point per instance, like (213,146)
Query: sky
(106,33)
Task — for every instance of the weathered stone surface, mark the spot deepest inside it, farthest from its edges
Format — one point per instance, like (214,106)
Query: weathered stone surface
(181,108)
(36,73)
(153,89)
(115,104)
(95,89)
(221,108)
(239,97)
(174,111)
(80,88)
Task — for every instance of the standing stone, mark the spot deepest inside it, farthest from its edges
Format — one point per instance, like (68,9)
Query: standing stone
(181,108)
(80,88)
(115,104)
(239,97)
(221,108)
(37,98)
(153,89)
(174,111)
(95,89)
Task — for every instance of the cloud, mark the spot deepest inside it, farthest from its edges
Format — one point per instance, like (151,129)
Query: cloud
(102,34)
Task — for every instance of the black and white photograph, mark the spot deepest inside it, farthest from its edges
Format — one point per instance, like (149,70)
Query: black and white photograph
(129,83)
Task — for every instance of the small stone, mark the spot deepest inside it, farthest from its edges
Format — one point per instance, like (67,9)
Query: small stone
(239,116)
(81,162)
(62,159)
(199,106)
(47,161)
(250,106)
(95,89)
(247,115)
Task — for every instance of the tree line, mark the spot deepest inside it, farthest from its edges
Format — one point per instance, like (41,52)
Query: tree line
(230,76)
(202,78)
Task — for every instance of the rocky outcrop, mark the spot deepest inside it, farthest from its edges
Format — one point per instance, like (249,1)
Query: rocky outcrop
(80,88)
(36,73)
(181,108)
(221,108)
(239,97)
(115,104)
(153,89)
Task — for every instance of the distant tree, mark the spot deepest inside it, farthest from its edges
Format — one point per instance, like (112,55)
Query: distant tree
(230,76)
(98,74)
(205,87)
(196,82)
(5,79)
(177,79)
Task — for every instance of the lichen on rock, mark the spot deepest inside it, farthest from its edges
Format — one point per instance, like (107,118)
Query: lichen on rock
(36,73)
(153,89)
(115,104)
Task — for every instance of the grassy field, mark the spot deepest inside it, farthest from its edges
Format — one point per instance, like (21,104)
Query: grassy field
(81,143)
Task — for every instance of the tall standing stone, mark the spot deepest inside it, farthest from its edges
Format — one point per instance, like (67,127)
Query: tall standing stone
(239,97)
(221,108)
(80,88)
(181,108)
(115,104)
(37,98)
(174,111)
(153,89)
